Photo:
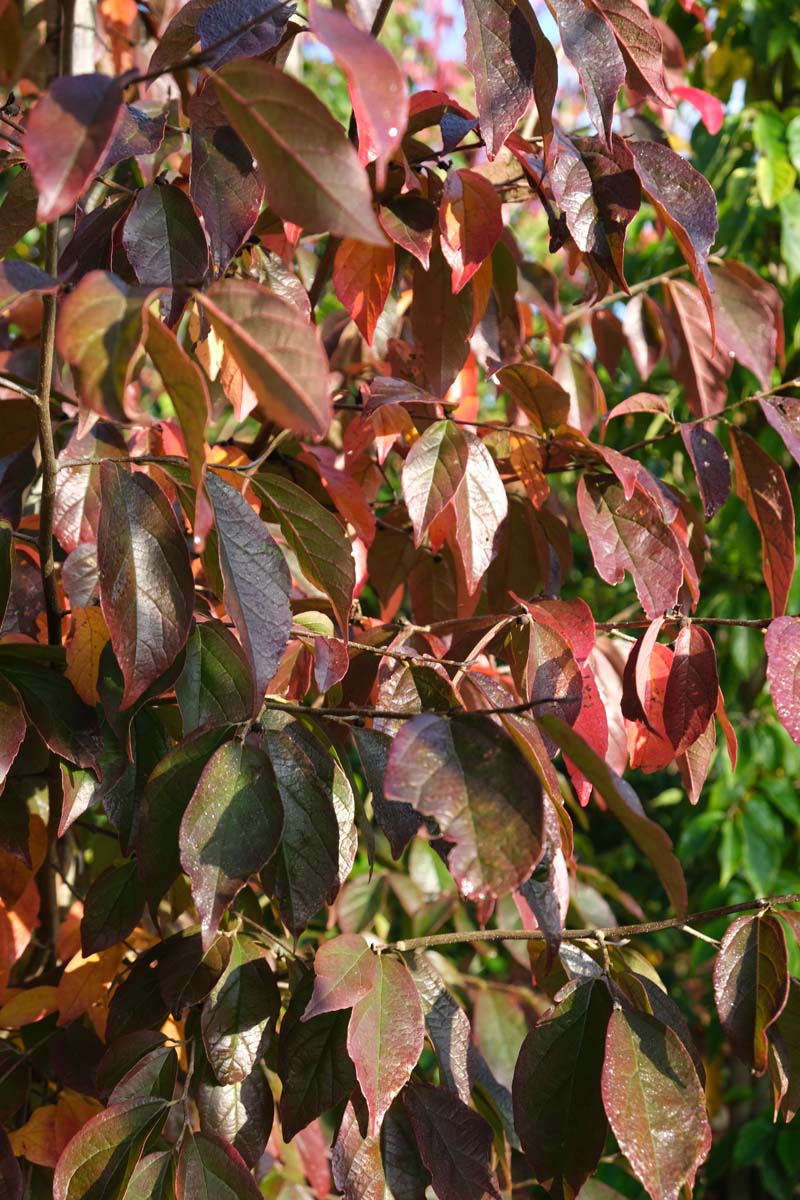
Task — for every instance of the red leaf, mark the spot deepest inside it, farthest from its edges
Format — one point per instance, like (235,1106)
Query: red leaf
(695,762)
(362,279)
(649,748)
(782,644)
(377,86)
(591,47)
(539,395)
(783,414)
(387,1028)
(692,686)
(745,320)
(592,725)
(784,1055)
(470,221)
(686,203)
(545,670)
(66,138)
(455,1143)
(711,466)
(77,502)
(511,61)
(700,365)
(331,662)
(761,484)
(711,109)
(642,327)
(642,402)
(146,585)
(441,321)
(751,984)
(12,728)
(631,535)
(655,1103)
(409,221)
(640,43)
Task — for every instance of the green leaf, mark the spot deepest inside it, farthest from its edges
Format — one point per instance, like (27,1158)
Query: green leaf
(112,908)
(558,1110)
(153,1178)
(655,1103)
(210,1168)
(100,1159)
(241,1112)
(751,984)
(64,723)
(239,1016)
(230,829)
(186,386)
(215,686)
(6,564)
(311,171)
(153,1077)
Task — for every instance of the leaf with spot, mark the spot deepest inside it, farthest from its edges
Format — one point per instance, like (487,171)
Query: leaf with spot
(761,484)
(239,1016)
(711,466)
(782,643)
(655,1103)
(230,829)
(783,414)
(751,984)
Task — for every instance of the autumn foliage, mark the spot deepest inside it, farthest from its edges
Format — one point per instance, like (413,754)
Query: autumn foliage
(370,426)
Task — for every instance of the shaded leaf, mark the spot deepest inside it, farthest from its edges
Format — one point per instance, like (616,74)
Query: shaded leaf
(242,1113)
(640,42)
(136,133)
(591,47)
(700,365)
(655,1103)
(784,1055)
(99,329)
(152,1178)
(744,318)
(152,1077)
(761,484)
(18,213)
(164,240)
(751,984)
(185,385)
(441,321)
(447,1026)
(311,171)
(12,1185)
(20,278)
(101,1158)
(230,829)
(66,138)
(12,729)
(783,414)
(455,1143)
(211,1168)
(239,1016)
(215,686)
(65,724)
(711,466)
(225,29)
(313,1063)
(188,970)
(112,908)
(399,822)
(558,1108)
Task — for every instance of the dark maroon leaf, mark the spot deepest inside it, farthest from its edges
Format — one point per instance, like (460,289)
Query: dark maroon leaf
(642,327)
(511,62)
(20,278)
(12,1185)
(188,970)
(761,484)
(66,138)
(386,1029)
(478,788)
(90,247)
(208,1166)
(225,29)
(784,1055)
(137,1003)
(686,203)
(591,47)
(783,414)
(313,1064)
(112,908)
(700,365)
(640,43)
(441,322)
(164,240)
(399,822)
(137,133)
(631,535)
(744,318)
(655,1103)
(311,171)
(751,984)
(152,1077)
(18,213)
(146,585)
(711,466)
(52,706)
(558,1109)
(256,580)
(690,698)
(224,184)
(12,729)
(231,828)
(454,1142)
(102,1155)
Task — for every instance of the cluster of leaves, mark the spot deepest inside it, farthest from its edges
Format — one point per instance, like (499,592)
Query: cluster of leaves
(301,446)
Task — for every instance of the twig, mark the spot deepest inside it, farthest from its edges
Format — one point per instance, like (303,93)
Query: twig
(584,310)
(614,933)
(388,714)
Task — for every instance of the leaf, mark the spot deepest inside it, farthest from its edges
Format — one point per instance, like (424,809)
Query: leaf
(311,171)
(710,108)
(784,1055)
(631,535)
(362,278)
(87,639)
(27,1006)
(65,724)
(591,47)
(696,362)
(188,969)
(6,566)
(239,1016)
(223,183)
(225,29)
(230,829)
(242,1113)
(475,784)
(500,1024)
(136,134)
(211,1168)
(626,807)
(441,322)
(655,1103)
(782,643)
(408,220)
(375,82)
(186,387)
(690,699)
(164,801)
(398,822)
(455,1143)
(744,318)
(215,686)
(307,863)
(152,1077)
(18,214)
(76,513)
(558,1110)
(112,908)
(447,1026)
(761,484)
(279,353)
(146,585)
(640,42)
(783,414)
(19,278)
(545,669)
(152,1178)
(12,1184)
(711,466)
(66,138)
(511,62)
(85,981)
(470,223)
(386,1029)
(313,1064)
(12,728)
(751,984)
(684,201)
(98,332)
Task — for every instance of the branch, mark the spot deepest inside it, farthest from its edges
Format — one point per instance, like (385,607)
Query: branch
(389,714)
(585,935)
(584,310)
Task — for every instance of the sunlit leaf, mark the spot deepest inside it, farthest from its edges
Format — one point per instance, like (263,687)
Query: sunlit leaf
(751,984)
(761,484)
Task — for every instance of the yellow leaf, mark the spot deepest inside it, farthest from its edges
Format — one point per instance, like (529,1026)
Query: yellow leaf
(36,1139)
(85,982)
(87,638)
(28,1006)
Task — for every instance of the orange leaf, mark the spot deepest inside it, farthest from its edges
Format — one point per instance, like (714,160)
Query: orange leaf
(72,1113)
(36,1139)
(87,639)
(28,1006)
(121,12)
(85,982)
(68,938)
(17,925)
(362,280)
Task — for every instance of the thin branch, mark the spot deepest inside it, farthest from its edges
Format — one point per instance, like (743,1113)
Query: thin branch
(612,934)
(585,310)
(388,714)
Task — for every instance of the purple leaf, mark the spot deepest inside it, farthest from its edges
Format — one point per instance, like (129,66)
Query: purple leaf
(455,1143)
(217,26)
(137,133)
(761,484)
(745,318)
(640,42)
(591,47)
(164,240)
(19,278)
(711,466)
(782,644)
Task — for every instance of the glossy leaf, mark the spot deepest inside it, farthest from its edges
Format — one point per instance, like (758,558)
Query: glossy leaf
(230,829)
(761,484)
(215,686)
(256,582)
(278,352)
(103,1155)
(751,984)
(210,1167)
(655,1103)
(239,1016)
(557,1103)
(711,467)
(454,1143)
(241,1113)
(112,908)
(164,240)
(591,47)
(692,687)
(641,46)
(66,138)
(311,171)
